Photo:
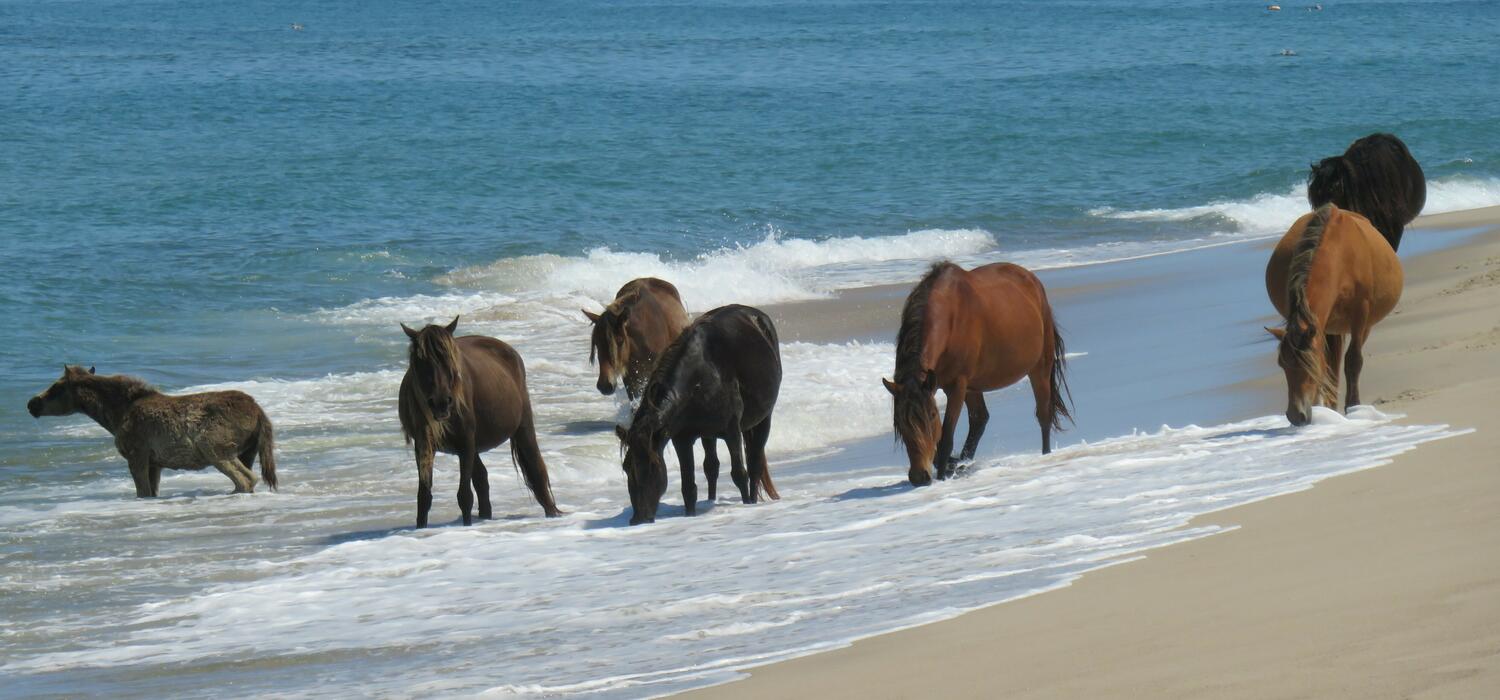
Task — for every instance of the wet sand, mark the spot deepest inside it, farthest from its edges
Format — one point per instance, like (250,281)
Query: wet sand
(1382,583)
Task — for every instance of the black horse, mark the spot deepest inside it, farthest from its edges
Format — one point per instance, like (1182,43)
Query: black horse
(718,380)
(1377,178)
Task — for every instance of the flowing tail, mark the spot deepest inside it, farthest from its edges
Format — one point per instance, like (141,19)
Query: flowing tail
(266,443)
(527,457)
(1060,381)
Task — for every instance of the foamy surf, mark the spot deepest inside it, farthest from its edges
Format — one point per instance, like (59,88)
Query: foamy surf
(622,611)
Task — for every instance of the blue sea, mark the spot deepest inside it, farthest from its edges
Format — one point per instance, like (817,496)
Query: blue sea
(253,195)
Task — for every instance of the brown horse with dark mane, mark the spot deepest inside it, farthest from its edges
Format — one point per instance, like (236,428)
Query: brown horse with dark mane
(465,396)
(1331,275)
(968,332)
(154,431)
(718,380)
(1377,178)
(645,317)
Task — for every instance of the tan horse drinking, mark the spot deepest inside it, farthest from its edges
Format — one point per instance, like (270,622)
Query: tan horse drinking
(465,396)
(968,332)
(645,317)
(1332,275)
(154,431)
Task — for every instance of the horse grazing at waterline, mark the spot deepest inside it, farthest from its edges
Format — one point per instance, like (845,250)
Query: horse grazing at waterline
(645,317)
(465,396)
(967,332)
(1377,178)
(154,431)
(1331,275)
(718,380)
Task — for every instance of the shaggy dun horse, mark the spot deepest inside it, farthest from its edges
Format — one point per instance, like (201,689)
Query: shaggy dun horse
(1331,275)
(465,396)
(1376,178)
(968,332)
(645,317)
(718,380)
(154,431)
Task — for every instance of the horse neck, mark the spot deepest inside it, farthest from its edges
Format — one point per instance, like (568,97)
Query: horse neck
(923,350)
(106,400)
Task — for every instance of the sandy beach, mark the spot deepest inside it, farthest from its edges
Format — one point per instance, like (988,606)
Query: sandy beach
(1382,583)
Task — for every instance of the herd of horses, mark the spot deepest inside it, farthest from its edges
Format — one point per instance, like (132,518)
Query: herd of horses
(1333,276)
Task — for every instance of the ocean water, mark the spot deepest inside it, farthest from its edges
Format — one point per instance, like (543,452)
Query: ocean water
(198,194)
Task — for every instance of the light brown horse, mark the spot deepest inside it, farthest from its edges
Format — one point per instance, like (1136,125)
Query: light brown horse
(968,332)
(1331,275)
(465,396)
(645,317)
(153,431)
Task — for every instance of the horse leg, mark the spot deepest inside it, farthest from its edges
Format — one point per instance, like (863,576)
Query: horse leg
(711,467)
(1354,362)
(755,452)
(237,473)
(424,480)
(465,483)
(1333,358)
(140,472)
(481,481)
(751,490)
(155,472)
(979,417)
(942,459)
(684,447)
(737,472)
(1041,392)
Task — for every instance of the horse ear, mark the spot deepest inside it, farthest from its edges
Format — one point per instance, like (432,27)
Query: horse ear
(409,332)
(91,369)
(452,326)
(890,386)
(929,381)
(592,317)
(1278,333)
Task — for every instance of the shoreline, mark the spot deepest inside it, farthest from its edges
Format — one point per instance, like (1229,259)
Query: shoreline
(1175,622)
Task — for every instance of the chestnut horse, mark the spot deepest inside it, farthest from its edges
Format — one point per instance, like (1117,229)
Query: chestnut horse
(645,317)
(1331,275)
(1377,178)
(719,379)
(465,396)
(968,332)
(154,431)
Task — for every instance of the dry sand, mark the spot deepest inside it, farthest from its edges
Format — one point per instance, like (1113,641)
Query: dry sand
(1380,584)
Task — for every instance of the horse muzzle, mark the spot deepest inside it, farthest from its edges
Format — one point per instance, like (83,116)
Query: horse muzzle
(34,406)
(605,387)
(1297,417)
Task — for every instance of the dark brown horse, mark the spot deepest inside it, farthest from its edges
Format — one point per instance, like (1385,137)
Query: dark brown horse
(645,317)
(153,431)
(465,396)
(719,379)
(1331,275)
(968,332)
(1377,178)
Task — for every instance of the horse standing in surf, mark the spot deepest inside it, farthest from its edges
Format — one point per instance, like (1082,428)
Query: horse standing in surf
(1331,275)
(1377,178)
(968,332)
(719,379)
(645,317)
(465,396)
(154,431)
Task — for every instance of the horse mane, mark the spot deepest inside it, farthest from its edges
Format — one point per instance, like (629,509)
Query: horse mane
(430,347)
(1300,315)
(103,397)
(911,338)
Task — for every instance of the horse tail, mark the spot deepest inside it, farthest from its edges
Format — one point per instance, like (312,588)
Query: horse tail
(1061,394)
(265,440)
(527,458)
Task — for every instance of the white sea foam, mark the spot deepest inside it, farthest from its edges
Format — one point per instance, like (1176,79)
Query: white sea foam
(1271,213)
(614,610)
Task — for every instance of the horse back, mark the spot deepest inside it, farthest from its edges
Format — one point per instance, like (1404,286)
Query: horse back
(1000,325)
(740,345)
(1373,270)
(190,431)
(494,379)
(655,312)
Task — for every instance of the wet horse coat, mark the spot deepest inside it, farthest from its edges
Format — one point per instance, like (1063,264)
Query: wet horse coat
(154,431)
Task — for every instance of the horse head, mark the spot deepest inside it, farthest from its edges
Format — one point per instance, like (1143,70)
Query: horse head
(435,368)
(1301,353)
(61,398)
(1330,180)
(916,421)
(610,342)
(645,469)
